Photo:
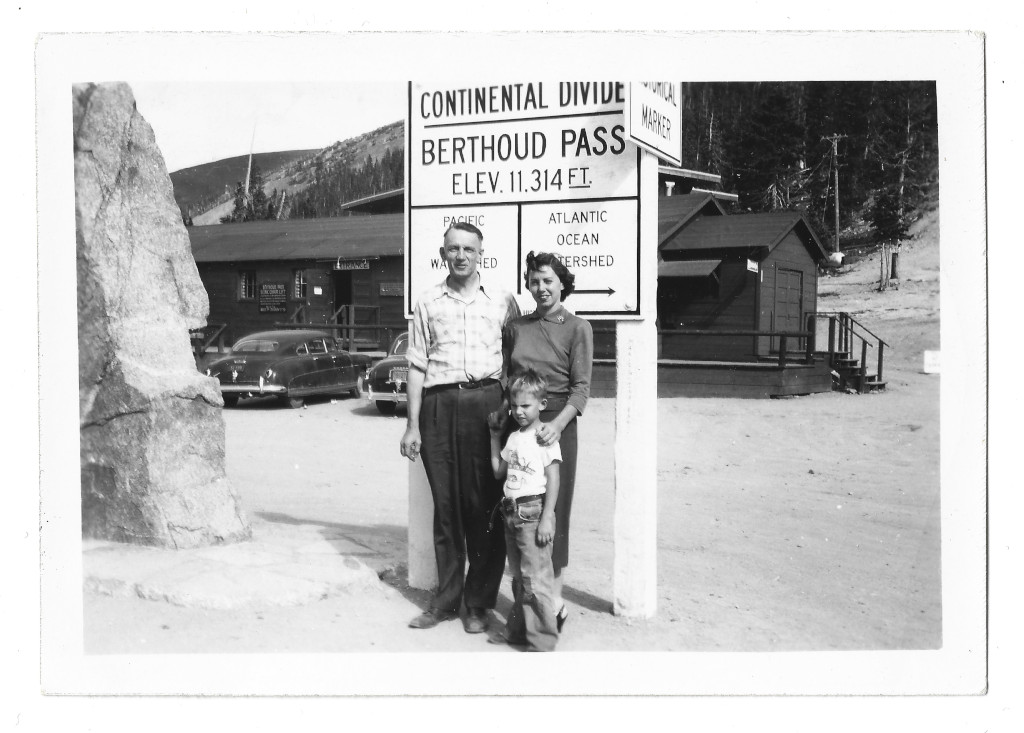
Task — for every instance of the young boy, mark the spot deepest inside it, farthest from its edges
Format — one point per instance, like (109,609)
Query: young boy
(528,509)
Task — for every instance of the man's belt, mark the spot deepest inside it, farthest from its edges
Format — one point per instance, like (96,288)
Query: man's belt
(462,385)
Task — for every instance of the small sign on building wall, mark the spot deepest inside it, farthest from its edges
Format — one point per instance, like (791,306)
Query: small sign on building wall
(751,266)
(363,264)
(272,297)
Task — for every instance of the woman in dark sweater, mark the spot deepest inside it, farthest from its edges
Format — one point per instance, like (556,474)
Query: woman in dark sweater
(560,347)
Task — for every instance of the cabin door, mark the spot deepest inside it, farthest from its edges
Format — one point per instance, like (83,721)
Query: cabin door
(318,296)
(789,301)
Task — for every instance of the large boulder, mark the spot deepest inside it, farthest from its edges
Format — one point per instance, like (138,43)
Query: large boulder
(152,428)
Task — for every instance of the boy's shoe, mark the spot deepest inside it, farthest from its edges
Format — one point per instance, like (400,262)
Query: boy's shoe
(560,617)
(431,618)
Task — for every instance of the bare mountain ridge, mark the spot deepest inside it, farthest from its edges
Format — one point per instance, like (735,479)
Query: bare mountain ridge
(206,191)
(200,187)
(353,151)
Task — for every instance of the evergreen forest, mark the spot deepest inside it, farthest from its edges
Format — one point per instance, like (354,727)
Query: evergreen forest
(334,183)
(872,146)
(786,145)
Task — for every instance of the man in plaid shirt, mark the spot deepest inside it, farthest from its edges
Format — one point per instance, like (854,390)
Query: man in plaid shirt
(455,362)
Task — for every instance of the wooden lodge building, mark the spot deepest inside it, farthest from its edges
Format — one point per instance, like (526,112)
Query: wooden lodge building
(732,289)
(261,274)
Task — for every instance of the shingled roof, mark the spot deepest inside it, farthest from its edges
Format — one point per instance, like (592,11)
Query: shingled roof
(674,212)
(743,232)
(347,237)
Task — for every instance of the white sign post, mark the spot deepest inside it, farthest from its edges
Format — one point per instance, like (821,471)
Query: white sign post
(636,429)
(546,166)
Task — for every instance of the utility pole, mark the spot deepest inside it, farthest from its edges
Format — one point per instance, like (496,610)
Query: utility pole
(834,139)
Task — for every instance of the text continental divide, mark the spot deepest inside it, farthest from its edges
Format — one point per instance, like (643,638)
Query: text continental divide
(522,97)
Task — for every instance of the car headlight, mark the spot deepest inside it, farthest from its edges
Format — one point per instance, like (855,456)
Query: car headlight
(269,374)
(209,372)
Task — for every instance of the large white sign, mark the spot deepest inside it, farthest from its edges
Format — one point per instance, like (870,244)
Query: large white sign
(654,118)
(542,166)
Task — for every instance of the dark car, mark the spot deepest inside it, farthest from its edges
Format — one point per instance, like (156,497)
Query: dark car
(386,381)
(290,365)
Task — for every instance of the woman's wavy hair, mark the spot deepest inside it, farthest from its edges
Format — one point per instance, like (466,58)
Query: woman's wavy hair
(547,259)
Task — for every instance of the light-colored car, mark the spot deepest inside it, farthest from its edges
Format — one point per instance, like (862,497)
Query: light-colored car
(386,381)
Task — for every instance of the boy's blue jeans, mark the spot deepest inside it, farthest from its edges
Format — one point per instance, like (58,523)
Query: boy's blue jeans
(532,619)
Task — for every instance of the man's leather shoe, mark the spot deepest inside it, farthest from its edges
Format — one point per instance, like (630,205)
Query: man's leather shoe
(431,618)
(475,621)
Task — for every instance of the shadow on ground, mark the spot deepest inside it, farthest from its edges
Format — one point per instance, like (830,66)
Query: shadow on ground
(383,548)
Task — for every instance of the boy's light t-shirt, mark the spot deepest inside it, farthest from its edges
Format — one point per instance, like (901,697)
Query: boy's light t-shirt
(526,463)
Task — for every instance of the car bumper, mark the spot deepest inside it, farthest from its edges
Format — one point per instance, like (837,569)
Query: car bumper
(396,397)
(260,388)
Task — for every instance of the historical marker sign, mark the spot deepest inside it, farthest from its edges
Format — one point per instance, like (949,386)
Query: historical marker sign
(654,118)
(541,165)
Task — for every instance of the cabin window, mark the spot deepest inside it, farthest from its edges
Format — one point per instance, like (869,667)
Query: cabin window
(301,287)
(246,285)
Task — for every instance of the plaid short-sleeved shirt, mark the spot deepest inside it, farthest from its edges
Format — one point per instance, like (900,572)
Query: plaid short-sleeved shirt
(454,340)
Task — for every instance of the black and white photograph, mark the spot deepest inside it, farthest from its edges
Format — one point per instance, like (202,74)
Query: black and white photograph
(389,372)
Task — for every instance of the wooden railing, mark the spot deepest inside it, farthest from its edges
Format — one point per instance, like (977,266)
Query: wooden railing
(201,342)
(845,335)
(348,315)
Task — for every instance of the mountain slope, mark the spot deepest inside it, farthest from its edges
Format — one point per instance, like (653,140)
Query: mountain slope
(206,191)
(199,187)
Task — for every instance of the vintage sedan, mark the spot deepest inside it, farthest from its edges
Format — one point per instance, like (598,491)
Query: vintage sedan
(386,381)
(290,365)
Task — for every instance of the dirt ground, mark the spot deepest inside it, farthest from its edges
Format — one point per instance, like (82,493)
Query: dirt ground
(809,523)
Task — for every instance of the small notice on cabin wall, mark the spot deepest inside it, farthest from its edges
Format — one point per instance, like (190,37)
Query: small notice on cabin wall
(272,297)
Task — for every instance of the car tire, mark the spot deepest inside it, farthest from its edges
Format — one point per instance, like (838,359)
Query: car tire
(292,402)
(386,408)
(230,400)
(357,391)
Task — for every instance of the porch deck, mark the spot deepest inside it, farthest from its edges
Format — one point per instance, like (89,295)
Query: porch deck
(752,380)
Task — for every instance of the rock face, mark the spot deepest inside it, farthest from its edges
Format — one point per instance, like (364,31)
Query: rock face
(152,432)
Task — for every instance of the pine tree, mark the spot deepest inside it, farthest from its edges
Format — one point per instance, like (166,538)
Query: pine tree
(252,207)
(903,149)
(238,212)
(257,208)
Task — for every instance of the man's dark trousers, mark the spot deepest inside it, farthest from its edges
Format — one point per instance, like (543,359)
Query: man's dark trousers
(456,454)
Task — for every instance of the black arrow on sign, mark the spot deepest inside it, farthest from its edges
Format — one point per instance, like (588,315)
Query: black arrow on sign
(606,291)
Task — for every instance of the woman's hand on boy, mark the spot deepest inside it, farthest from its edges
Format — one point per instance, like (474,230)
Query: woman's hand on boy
(548,434)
